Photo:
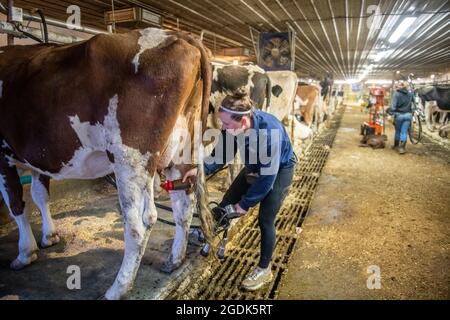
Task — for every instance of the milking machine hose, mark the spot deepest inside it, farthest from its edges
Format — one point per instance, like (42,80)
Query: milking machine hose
(216,172)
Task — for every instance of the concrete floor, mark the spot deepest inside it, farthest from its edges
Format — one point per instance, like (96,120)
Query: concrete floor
(356,221)
(375,208)
(87,216)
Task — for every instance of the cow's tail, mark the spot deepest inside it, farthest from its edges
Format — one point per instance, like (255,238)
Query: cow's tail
(268,93)
(206,74)
(206,215)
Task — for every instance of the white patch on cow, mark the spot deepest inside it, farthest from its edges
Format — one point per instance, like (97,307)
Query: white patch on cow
(252,69)
(86,163)
(215,74)
(11,161)
(174,144)
(216,99)
(5,145)
(299,102)
(136,198)
(301,131)
(282,105)
(150,38)
(3,191)
(90,161)
(40,197)
(130,165)
(1,88)
(91,136)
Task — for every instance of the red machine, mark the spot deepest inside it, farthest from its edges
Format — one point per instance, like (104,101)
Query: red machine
(375,124)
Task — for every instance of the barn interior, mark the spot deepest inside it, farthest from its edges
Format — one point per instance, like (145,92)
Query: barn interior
(359,222)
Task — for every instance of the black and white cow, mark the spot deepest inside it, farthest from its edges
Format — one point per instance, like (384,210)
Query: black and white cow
(284,88)
(226,79)
(432,99)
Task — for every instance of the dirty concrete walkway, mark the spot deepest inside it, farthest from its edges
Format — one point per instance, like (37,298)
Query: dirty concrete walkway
(88,219)
(375,208)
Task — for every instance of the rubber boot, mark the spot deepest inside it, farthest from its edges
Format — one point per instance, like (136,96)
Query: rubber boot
(395,146)
(401,147)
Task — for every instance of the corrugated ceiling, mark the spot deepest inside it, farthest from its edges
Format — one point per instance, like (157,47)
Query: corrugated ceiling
(337,36)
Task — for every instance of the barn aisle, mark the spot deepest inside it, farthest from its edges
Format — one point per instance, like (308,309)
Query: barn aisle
(375,208)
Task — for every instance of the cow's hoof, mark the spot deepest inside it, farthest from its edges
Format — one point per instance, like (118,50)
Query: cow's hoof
(19,264)
(169,267)
(49,240)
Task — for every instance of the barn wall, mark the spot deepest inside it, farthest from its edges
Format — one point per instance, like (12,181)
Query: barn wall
(61,31)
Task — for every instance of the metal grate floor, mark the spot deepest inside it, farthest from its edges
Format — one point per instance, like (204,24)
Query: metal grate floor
(223,279)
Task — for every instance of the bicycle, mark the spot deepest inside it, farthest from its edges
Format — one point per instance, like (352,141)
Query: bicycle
(415,127)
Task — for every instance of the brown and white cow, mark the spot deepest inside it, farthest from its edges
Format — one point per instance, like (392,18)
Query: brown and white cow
(84,110)
(308,101)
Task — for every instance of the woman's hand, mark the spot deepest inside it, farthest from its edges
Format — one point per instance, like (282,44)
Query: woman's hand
(191,175)
(239,210)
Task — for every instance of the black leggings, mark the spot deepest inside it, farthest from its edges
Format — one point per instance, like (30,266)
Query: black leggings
(268,208)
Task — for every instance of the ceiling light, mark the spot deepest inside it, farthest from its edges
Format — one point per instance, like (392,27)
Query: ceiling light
(406,23)
(378,81)
(380,55)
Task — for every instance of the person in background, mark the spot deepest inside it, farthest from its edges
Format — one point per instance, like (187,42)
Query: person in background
(401,108)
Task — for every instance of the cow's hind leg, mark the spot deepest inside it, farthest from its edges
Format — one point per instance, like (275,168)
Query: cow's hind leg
(135,187)
(428,116)
(442,118)
(40,187)
(12,193)
(182,207)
